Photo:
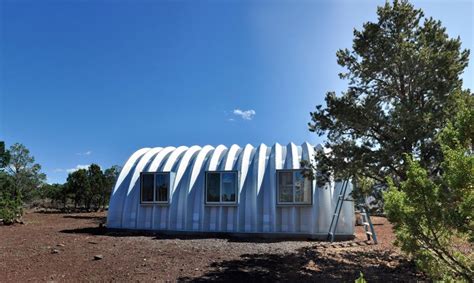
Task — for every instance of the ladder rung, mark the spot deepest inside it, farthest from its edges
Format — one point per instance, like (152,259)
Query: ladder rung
(330,233)
(368,233)
(366,223)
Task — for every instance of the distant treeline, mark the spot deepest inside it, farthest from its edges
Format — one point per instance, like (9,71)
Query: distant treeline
(22,184)
(87,189)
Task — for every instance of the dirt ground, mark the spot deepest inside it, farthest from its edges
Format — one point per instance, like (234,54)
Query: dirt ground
(61,247)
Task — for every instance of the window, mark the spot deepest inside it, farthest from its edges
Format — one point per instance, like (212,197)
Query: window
(155,187)
(147,187)
(293,187)
(213,187)
(162,185)
(221,187)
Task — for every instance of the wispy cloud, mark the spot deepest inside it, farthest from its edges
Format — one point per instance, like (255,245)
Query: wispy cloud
(79,166)
(57,170)
(89,152)
(245,114)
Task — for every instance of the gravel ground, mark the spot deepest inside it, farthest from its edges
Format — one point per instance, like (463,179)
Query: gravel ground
(72,247)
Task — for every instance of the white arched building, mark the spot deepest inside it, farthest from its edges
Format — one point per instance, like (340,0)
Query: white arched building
(218,189)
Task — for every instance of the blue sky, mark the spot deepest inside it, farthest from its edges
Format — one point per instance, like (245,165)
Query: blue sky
(92,81)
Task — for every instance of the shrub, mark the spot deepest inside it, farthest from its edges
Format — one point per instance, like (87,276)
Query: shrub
(433,216)
(10,209)
(10,204)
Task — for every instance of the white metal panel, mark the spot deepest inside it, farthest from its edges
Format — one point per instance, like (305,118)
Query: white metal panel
(246,192)
(256,209)
(119,193)
(196,190)
(132,201)
(180,188)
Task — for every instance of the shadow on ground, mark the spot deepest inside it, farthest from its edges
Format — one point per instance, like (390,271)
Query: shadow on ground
(95,219)
(309,265)
(321,261)
(103,231)
(65,211)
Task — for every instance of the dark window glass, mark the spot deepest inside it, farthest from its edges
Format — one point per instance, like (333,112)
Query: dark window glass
(285,186)
(228,186)
(299,187)
(213,187)
(302,188)
(147,187)
(162,186)
(293,187)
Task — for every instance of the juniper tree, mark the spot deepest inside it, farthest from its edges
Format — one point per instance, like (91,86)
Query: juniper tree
(25,173)
(111,175)
(402,73)
(433,216)
(405,122)
(20,177)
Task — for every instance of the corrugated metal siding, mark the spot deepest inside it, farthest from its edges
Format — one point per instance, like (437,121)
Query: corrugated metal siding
(256,210)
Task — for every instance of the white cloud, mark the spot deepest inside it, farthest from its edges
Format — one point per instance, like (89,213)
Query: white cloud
(245,114)
(89,152)
(79,166)
(58,170)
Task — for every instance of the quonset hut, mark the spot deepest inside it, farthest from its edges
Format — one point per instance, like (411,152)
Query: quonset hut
(195,189)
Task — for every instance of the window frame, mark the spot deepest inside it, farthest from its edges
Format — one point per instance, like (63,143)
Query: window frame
(220,202)
(293,203)
(167,175)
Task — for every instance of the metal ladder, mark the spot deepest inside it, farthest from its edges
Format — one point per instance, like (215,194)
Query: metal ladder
(367,223)
(337,211)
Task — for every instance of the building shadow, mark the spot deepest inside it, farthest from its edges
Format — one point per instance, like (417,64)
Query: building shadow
(65,211)
(311,265)
(103,231)
(50,211)
(318,262)
(95,219)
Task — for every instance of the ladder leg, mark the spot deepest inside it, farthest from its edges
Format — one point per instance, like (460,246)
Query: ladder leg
(368,226)
(337,211)
(364,221)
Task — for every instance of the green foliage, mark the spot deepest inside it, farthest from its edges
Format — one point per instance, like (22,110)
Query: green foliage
(26,174)
(395,122)
(21,180)
(364,185)
(367,191)
(361,279)
(10,209)
(4,156)
(433,216)
(78,183)
(97,182)
(10,201)
(403,74)
(57,194)
(10,206)
(90,188)
(111,174)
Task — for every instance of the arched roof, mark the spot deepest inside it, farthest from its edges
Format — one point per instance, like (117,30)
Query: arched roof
(255,210)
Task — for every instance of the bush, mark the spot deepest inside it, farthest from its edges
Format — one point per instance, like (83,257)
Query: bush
(433,216)
(361,279)
(10,209)
(10,204)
